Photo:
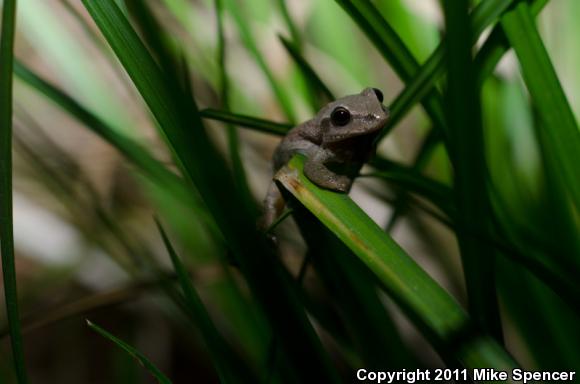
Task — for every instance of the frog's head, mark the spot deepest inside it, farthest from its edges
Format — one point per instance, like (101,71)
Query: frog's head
(352,116)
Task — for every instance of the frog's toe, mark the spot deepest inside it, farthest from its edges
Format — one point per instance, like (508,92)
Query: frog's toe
(341,184)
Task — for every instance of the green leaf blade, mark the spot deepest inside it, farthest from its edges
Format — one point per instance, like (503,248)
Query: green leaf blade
(6,209)
(377,250)
(254,123)
(134,353)
(466,145)
(396,53)
(230,369)
(426,303)
(560,130)
(425,79)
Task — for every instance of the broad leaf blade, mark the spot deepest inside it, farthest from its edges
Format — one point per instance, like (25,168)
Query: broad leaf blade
(426,303)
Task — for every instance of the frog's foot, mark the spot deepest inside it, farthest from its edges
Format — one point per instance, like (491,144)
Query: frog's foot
(273,206)
(329,180)
(343,184)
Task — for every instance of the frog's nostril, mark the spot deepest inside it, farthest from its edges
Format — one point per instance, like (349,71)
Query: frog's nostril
(379,94)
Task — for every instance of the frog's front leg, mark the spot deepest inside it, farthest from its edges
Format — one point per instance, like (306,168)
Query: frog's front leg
(316,170)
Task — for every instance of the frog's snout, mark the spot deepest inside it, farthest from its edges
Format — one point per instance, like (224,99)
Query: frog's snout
(383,117)
(386,110)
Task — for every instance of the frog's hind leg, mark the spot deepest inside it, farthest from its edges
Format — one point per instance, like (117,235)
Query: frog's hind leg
(273,206)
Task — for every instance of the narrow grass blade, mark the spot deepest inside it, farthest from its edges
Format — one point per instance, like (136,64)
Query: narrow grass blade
(468,158)
(131,149)
(553,337)
(394,50)
(6,213)
(560,131)
(426,77)
(432,309)
(138,356)
(292,28)
(426,149)
(399,56)
(83,306)
(240,176)
(237,11)
(315,83)
(134,152)
(254,123)
(153,34)
(543,266)
(497,45)
(410,179)
(229,368)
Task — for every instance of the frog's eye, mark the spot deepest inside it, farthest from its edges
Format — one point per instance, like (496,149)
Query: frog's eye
(340,116)
(379,94)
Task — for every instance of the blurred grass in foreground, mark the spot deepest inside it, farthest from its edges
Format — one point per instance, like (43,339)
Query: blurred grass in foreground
(487,161)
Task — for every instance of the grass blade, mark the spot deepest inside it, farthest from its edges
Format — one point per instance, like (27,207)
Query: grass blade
(134,152)
(426,303)
(153,34)
(468,158)
(6,213)
(255,123)
(240,176)
(411,181)
(138,356)
(321,92)
(230,369)
(394,50)
(281,95)
(292,28)
(421,160)
(560,132)
(497,45)
(426,77)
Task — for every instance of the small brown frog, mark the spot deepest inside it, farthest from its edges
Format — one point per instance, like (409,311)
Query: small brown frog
(337,142)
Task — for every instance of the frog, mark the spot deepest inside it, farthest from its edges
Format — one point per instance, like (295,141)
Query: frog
(336,144)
